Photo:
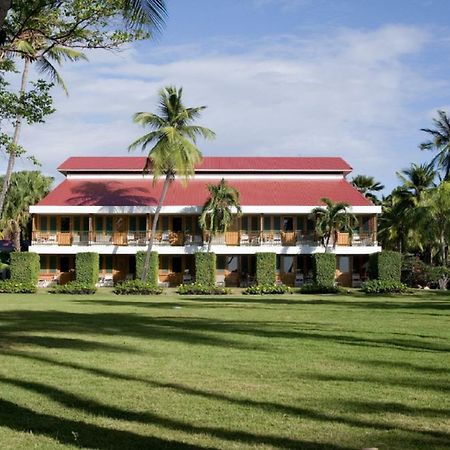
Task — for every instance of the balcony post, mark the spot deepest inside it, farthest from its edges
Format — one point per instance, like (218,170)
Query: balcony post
(90,230)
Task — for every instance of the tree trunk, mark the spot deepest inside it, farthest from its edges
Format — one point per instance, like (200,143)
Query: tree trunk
(15,235)
(169,178)
(209,241)
(5,5)
(17,129)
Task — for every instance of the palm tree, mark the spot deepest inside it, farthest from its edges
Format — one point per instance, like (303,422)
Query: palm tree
(27,188)
(34,48)
(418,179)
(440,141)
(174,151)
(367,186)
(332,219)
(219,209)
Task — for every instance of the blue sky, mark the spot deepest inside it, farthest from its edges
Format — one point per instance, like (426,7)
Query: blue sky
(355,78)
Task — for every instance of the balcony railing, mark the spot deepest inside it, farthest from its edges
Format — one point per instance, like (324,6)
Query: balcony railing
(170,238)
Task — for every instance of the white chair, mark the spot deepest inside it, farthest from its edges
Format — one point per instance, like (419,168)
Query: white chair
(108,280)
(277,239)
(165,239)
(220,280)
(244,239)
(187,277)
(356,280)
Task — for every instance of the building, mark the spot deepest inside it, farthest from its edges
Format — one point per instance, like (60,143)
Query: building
(106,205)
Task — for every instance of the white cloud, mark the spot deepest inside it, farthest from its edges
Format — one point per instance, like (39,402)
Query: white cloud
(349,94)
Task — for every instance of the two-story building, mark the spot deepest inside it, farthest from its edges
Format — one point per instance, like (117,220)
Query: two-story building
(106,205)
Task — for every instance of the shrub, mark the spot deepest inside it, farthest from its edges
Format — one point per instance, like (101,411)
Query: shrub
(152,275)
(14,287)
(136,287)
(266,266)
(415,273)
(74,288)
(386,266)
(314,288)
(25,267)
(205,269)
(439,276)
(383,287)
(267,289)
(202,289)
(324,269)
(86,268)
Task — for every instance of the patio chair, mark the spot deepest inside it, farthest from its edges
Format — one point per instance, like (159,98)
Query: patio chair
(165,239)
(220,280)
(356,280)
(244,239)
(277,239)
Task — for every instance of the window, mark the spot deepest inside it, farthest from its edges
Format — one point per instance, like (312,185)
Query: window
(176,264)
(164,223)
(232,264)
(109,224)
(43,223)
(99,224)
(244,223)
(276,223)
(288,223)
(53,224)
(300,224)
(164,263)
(288,264)
(177,224)
(52,263)
(267,224)
(344,264)
(132,223)
(65,224)
(221,261)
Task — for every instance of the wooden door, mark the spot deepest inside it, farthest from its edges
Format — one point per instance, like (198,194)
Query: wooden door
(344,271)
(120,230)
(121,267)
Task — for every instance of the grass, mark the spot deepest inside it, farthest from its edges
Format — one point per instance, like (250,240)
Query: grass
(293,372)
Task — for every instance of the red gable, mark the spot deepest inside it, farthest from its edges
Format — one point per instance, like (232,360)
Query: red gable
(211,164)
(303,192)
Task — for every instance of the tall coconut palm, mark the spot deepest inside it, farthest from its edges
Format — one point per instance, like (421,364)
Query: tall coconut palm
(368,187)
(174,151)
(27,188)
(332,219)
(417,179)
(219,210)
(440,141)
(34,48)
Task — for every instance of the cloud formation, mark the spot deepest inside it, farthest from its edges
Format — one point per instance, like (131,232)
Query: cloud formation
(349,94)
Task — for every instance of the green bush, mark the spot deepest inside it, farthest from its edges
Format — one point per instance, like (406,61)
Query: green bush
(324,269)
(313,288)
(202,289)
(415,273)
(136,287)
(74,288)
(87,268)
(25,267)
(14,287)
(439,276)
(266,267)
(383,287)
(205,268)
(386,266)
(152,275)
(267,289)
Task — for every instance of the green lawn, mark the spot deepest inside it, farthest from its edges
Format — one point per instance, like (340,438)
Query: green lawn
(297,372)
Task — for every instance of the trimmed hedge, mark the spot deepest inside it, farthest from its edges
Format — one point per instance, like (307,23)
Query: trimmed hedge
(383,287)
(25,267)
(386,266)
(205,268)
(136,287)
(152,275)
(324,269)
(87,268)
(13,287)
(74,288)
(312,288)
(267,289)
(266,267)
(201,289)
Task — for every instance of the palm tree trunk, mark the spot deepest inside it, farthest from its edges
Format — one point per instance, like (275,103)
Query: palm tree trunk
(16,235)
(17,130)
(167,181)
(209,241)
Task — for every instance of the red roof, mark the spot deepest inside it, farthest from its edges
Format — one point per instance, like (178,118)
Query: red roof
(303,192)
(212,163)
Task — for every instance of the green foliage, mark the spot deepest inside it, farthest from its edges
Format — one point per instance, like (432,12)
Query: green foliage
(202,289)
(414,271)
(87,268)
(267,289)
(14,287)
(324,269)
(313,288)
(25,267)
(383,287)
(439,275)
(152,274)
(74,288)
(136,287)
(205,268)
(386,266)
(266,265)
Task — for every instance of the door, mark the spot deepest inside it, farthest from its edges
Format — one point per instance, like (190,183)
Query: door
(65,236)
(120,230)
(121,267)
(344,271)
(65,265)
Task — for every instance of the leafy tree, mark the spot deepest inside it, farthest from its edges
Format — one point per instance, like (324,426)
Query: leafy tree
(417,179)
(440,142)
(219,210)
(368,187)
(174,152)
(332,219)
(27,188)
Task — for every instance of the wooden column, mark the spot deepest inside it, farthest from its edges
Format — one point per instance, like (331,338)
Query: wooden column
(90,236)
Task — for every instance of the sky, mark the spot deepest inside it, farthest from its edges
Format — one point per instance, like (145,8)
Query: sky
(350,78)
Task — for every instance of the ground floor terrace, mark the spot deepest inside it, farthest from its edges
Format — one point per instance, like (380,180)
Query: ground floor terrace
(232,270)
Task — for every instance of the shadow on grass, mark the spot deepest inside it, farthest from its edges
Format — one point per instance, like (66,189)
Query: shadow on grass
(188,330)
(70,400)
